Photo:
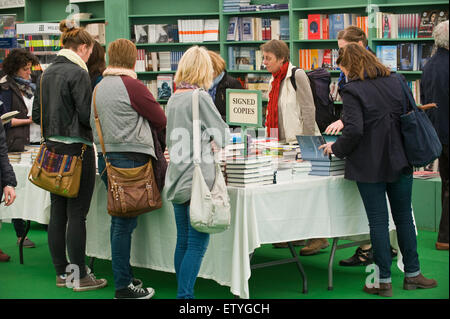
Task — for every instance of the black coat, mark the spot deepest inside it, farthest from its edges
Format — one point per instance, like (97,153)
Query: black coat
(227,82)
(18,136)
(66,96)
(434,89)
(371,140)
(7,176)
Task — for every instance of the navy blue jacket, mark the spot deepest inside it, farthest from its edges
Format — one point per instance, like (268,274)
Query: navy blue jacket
(434,89)
(371,140)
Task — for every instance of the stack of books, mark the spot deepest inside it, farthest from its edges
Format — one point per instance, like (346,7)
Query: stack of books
(258,29)
(14,157)
(300,168)
(234,5)
(249,171)
(33,150)
(323,26)
(322,165)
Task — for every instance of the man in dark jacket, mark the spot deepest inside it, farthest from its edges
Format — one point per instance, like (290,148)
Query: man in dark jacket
(7,178)
(434,89)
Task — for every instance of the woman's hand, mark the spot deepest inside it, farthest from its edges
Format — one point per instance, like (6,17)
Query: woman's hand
(334,127)
(327,148)
(10,195)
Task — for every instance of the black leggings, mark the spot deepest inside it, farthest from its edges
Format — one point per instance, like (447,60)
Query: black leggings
(67,227)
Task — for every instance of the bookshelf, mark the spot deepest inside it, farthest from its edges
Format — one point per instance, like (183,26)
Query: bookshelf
(121,15)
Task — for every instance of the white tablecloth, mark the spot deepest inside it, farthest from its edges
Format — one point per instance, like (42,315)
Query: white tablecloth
(312,207)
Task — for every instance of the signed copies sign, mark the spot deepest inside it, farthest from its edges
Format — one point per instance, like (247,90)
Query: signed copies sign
(244,107)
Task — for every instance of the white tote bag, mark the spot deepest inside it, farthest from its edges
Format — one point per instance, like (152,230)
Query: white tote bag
(209,210)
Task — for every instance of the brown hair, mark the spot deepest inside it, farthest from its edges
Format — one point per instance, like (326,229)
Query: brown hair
(96,63)
(360,63)
(217,61)
(353,34)
(122,53)
(278,48)
(72,37)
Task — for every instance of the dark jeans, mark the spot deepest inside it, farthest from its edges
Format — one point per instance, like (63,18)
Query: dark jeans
(443,171)
(374,199)
(121,228)
(67,226)
(189,251)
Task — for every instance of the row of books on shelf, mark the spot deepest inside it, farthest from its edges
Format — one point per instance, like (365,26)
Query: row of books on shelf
(405,56)
(245,6)
(157,61)
(310,59)
(258,29)
(162,88)
(323,26)
(408,25)
(8,26)
(245,58)
(185,31)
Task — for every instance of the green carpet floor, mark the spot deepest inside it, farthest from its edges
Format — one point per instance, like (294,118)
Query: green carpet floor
(36,278)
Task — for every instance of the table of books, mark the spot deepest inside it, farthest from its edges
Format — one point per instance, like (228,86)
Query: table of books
(307,207)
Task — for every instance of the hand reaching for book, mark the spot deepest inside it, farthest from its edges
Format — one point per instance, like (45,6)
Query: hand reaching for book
(334,127)
(327,148)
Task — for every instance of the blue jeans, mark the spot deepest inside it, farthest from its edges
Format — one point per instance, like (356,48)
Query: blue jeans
(190,249)
(374,199)
(121,228)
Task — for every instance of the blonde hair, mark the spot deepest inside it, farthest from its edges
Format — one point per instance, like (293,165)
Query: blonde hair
(217,61)
(122,53)
(195,67)
(72,37)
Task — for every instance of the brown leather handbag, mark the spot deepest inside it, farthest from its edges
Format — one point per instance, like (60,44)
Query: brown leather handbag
(57,173)
(131,191)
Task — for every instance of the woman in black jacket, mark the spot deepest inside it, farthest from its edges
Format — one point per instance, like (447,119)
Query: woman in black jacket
(372,146)
(66,102)
(222,81)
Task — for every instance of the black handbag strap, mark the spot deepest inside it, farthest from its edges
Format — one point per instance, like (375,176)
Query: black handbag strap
(408,96)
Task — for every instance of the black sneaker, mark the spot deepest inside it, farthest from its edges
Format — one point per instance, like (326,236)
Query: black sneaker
(132,292)
(360,258)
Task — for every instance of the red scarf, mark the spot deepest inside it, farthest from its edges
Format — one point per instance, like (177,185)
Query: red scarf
(272,106)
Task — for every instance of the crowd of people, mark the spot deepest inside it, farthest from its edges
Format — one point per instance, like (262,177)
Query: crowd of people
(370,142)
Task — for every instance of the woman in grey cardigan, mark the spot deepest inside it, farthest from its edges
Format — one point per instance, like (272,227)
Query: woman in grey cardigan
(194,71)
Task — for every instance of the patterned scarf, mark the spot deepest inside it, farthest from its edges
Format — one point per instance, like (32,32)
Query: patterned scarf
(25,86)
(272,106)
(184,85)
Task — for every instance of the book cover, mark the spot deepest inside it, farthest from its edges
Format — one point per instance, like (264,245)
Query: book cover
(405,56)
(325,173)
(141,33)
(314,22)
(425,54)
(317,168)
(165,86)
(7,117)
(162,33)
(232,29)
(388,56)
(336,24)
(211,30)
(309,148)
(427,21)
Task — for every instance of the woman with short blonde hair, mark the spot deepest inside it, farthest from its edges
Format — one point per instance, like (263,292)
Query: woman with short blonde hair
(195,71)
(195,68)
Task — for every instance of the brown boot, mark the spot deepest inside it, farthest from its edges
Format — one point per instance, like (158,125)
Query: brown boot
(441,246)
(385,290)
(4,257)
(411,283)
(314,246)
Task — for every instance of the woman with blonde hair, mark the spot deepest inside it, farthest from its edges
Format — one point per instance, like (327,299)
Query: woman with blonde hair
(375,158)
(66,99)
(125,105)
(195,71)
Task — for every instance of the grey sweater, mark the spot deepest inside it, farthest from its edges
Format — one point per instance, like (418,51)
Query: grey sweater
(179,140)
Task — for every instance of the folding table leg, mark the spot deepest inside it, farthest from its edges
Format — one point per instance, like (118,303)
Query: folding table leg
(299,266)
(330,263)
(27,229)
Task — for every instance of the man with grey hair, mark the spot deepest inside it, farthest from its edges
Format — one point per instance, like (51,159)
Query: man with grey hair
(434,89)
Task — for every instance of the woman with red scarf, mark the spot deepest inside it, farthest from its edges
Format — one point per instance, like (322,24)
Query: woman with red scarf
(290,112)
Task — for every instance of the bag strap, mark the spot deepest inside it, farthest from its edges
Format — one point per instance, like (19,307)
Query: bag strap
(408,95)
(98,126)
(196,127)
(40,102)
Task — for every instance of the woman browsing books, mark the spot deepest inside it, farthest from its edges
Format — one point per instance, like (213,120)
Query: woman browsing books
(371,144)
